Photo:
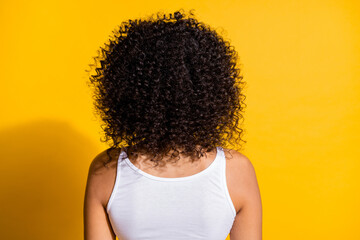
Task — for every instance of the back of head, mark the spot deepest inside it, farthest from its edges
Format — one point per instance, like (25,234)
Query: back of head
(166,83)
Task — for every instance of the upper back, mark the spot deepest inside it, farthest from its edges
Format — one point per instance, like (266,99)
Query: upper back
(194,204)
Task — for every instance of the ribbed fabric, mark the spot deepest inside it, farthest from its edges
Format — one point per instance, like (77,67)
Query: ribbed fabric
(147,207)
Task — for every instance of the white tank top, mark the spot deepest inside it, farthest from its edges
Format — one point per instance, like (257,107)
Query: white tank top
(144,206)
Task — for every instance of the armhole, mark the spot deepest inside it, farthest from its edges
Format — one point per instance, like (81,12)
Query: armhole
(117,179)
(227,194)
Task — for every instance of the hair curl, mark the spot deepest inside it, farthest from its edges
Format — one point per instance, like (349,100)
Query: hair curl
(168,83)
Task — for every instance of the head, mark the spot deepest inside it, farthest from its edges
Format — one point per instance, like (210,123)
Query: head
(168,84)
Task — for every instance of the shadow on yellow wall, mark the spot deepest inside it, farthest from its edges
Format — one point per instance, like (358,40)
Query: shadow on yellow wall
(42,181)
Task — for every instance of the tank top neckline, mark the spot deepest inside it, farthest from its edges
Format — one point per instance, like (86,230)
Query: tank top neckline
(170,179)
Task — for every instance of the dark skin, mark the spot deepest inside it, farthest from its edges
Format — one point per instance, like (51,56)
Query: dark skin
(241,181)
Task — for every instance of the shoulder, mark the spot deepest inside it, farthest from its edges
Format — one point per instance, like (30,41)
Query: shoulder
(241,177)
(102,174)
(240,164)
(238,160)
(101,162)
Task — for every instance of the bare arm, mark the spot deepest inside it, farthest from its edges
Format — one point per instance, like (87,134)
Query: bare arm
(248,221)
(96,221)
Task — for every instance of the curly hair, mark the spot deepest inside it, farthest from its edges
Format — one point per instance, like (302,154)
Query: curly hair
(168,83)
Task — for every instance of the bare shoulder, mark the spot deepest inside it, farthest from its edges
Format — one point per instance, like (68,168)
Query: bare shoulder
(241,178)
(102,163)
(238,160)
(102,174)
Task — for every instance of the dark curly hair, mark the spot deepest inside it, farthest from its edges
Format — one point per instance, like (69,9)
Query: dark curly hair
(168,83)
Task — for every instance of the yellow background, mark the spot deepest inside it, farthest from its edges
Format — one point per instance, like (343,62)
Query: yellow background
(301,60)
